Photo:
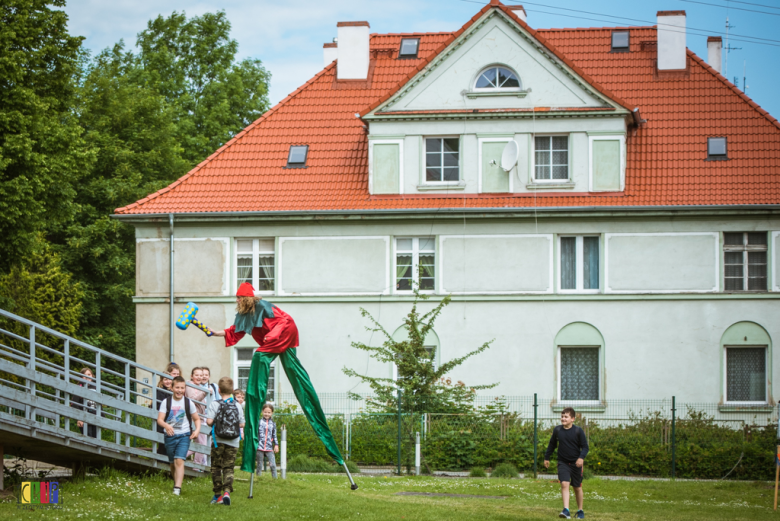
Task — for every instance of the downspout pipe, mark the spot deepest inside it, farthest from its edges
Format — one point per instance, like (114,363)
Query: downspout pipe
(171,321)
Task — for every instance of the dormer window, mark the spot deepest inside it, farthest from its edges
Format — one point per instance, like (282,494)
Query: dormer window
(296,158)
(409,48)
(716,149)
(620,41)
(497,78)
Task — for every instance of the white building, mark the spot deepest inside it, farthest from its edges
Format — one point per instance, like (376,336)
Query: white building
(627,250)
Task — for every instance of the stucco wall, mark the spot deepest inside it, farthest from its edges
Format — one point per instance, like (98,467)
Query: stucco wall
(341,265)
(200,266)
(496,264)
(662,262)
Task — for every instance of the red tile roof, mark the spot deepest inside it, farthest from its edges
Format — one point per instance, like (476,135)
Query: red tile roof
(666,156)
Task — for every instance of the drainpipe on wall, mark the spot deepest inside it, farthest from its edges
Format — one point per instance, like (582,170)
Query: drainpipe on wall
(171,321)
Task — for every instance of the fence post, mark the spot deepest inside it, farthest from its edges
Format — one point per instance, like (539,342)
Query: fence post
(417,455)
(536,438)
(674,438)
(283,451)
(399,431)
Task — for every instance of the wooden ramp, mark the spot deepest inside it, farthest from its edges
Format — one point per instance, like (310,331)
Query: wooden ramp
(43,396)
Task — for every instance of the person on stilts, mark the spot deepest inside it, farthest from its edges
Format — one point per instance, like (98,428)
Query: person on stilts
(276,335)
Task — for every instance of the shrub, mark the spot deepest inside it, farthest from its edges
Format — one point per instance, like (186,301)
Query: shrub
(303,463)
(504,470)
(351,465)
(477,472)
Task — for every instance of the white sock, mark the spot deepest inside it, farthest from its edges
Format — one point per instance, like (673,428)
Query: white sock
(176,491)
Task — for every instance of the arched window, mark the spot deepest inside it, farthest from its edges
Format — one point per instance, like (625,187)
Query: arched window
(747,357)
(580,353)
(432,346)
(497,78)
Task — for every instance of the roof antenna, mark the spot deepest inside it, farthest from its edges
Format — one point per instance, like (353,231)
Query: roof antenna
(728,48)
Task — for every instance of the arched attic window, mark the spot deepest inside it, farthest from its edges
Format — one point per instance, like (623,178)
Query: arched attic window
(496,78)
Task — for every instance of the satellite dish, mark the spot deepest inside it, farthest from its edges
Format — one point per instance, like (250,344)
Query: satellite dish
(509,155)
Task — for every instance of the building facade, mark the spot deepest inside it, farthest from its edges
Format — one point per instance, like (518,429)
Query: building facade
(600,202)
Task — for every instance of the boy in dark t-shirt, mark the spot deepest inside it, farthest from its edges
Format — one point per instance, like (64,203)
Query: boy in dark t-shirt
(572,449)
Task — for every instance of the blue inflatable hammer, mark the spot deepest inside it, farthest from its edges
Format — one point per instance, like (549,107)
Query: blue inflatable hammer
(187,317)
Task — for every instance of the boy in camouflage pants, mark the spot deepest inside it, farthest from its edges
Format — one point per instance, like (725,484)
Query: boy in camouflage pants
(223,455)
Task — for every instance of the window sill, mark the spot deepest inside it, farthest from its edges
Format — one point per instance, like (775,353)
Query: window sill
(588,406)
(486,94)
(747,407)
(442,186)
(550,186)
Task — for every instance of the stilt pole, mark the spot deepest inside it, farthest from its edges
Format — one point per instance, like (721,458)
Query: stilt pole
(251,485)
(351,481)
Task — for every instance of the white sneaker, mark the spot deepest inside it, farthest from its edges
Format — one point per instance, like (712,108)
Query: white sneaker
(176,491)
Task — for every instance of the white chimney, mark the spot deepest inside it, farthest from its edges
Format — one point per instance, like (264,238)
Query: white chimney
(671,41)
(352,50)
(330,52)
(519,11)
(714,50)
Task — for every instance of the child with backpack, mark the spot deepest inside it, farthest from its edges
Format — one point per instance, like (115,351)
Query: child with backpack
(267,444)
(174,412)
(226,418)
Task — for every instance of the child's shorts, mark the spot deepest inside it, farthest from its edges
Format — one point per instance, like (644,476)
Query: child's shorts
(177,446)
(570,472)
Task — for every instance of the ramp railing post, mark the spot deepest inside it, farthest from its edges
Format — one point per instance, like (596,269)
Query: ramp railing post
(283,453)
(98,406)
(127,399)
(66,363)
(31,385)
(417,454)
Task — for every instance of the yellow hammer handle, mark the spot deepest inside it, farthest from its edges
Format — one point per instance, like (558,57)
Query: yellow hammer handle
(202,327)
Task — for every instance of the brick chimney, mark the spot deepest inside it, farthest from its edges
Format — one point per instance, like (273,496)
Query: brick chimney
(714,52)
(330,52)
(352,50)
(671,41)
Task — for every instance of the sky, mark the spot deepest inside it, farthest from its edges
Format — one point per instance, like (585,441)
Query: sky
(288,35)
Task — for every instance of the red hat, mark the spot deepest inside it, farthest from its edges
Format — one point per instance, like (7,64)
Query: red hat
(245,290)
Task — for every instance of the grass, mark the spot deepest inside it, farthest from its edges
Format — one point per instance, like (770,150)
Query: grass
(116,496)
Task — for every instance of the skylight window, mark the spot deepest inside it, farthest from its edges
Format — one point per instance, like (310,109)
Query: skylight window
(297,156)
(409,47)
(496,78)
(620,41)
(717,148)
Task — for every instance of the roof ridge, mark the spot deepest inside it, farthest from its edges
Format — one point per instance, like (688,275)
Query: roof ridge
(268,113)
(735,89)
(498,5)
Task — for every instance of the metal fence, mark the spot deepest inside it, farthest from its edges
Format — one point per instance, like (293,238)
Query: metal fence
(658,438)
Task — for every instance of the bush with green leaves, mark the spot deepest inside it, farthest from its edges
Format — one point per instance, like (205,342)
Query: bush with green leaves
(504,470)
(477,472)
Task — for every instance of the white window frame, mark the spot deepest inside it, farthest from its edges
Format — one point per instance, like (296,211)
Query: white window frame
(580,258)
(415,264)
(400,143)
(745,250)
(482,140)
(255,262)
(534,180)
(767,370)
(496,89)
(242,364)
(617,137)
(601,377)
(424,155)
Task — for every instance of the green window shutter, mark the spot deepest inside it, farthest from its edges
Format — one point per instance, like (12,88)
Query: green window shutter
(494,179)
(387,169)
(606,164)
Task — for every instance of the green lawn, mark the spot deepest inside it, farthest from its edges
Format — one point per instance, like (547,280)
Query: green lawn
(117,497)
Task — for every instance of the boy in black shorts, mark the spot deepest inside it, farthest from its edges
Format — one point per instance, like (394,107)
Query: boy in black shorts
(572,449)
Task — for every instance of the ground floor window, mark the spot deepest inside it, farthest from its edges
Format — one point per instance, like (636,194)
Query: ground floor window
(746,374)
(579,374)
(241,373)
